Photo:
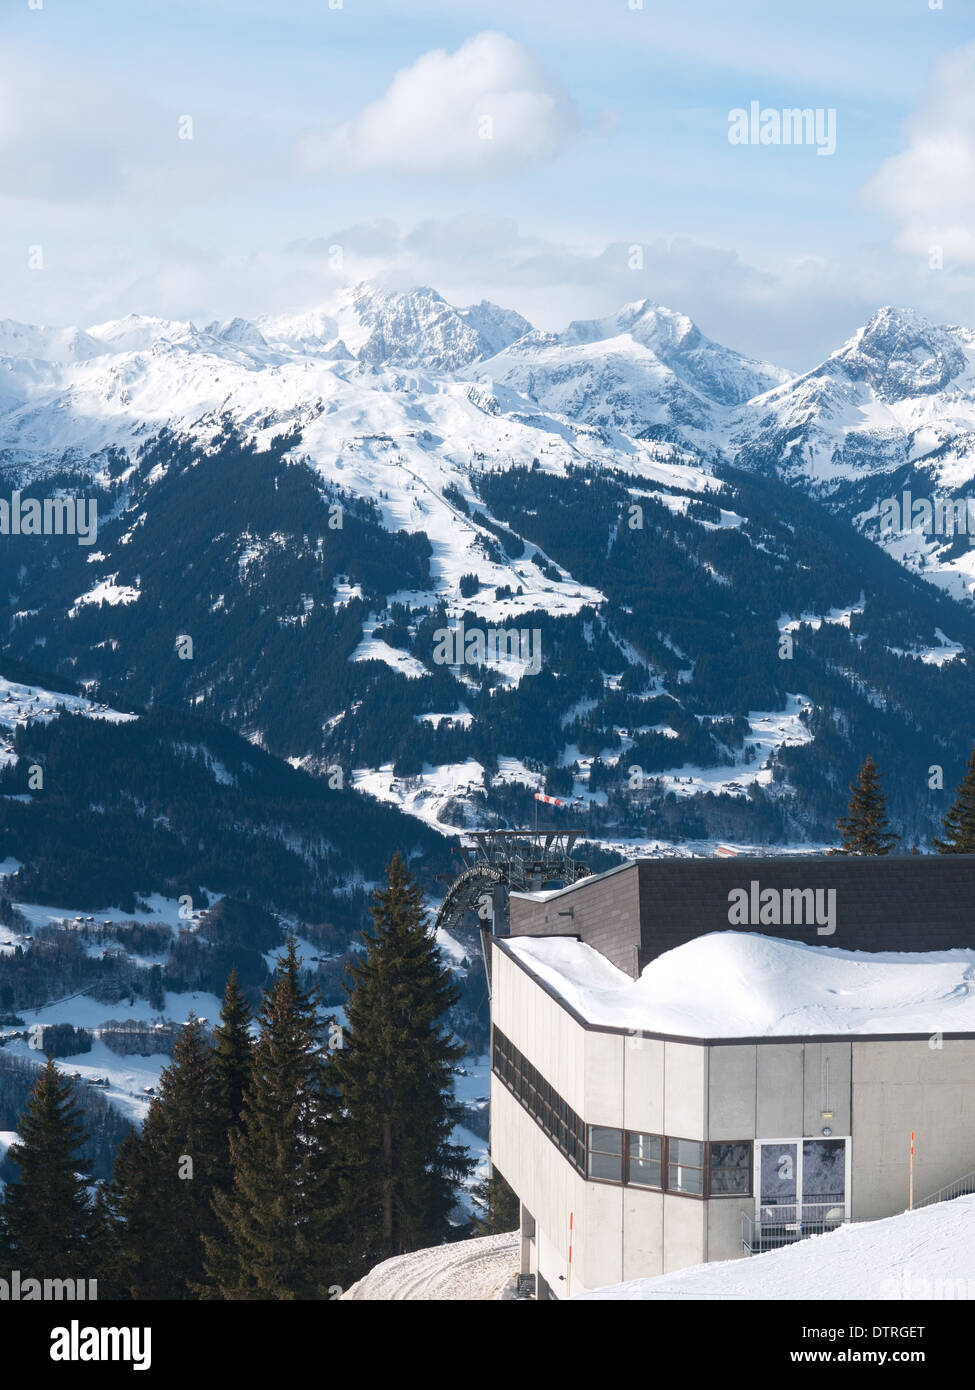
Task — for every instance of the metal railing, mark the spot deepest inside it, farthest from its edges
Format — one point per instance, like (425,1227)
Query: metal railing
(961,1187)
(774,1227)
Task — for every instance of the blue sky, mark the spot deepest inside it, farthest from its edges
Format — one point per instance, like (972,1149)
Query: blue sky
(610,131)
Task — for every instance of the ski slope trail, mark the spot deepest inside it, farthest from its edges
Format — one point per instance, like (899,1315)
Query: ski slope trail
(471,1270)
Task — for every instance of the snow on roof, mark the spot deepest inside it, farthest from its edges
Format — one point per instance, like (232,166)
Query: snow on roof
(918,1255)
(741,984)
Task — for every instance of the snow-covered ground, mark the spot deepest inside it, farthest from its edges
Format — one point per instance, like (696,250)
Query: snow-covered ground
(20,704)
(946,650)
(919,1255)
(768,731)
(740,984)
(425,795)
(128,1076)
(465,1270)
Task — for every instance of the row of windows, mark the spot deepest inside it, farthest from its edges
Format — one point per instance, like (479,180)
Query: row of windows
(621,1155)
(669,1164)
(563,1126)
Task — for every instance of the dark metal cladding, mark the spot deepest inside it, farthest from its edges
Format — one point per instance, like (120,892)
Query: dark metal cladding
(635,912)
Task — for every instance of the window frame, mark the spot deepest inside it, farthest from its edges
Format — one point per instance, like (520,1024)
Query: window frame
(701,1196)
(749,1169)
(606,1153)
(646,1186)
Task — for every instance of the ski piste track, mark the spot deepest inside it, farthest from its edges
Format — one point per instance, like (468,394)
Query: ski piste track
(472,1270)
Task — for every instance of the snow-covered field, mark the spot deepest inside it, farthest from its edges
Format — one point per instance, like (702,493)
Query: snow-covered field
(768,731)
(919,1255)
(740,984)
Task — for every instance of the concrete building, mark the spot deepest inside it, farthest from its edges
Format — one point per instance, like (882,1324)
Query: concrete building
(672,1084)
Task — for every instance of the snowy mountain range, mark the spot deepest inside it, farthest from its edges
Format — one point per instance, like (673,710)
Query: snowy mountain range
(312,497)
(894,406)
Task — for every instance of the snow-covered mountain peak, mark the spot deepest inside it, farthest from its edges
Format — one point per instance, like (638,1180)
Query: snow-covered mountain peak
(419,328)
(38,343)
(644,321)
(139,332)
(645,368)
(899,353)
(414,328)
(240,332)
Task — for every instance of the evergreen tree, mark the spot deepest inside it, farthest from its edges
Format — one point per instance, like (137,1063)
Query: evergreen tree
(48,1220)
(232,1063)
(498,1210)
(165,1178)
(864,828)
(107,1258)
(959,820)
(274,1238)
(398,1169)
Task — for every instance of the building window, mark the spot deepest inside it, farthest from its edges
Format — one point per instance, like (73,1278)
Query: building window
(612,1155)
(730,1170)
(685,1166)
(559,1121)
(605,1154)
(645,1159)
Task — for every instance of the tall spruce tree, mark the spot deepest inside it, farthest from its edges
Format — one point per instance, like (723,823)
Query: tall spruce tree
(397,1168)
(274,1238)
(232,1063)
(48,1217)
(497,1209)
(864,828)
(165,1178)
(959,820)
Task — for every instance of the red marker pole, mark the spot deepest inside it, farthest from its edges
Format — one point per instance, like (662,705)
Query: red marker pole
(911,1197)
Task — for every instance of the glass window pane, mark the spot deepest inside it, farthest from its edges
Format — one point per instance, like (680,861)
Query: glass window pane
(683,1179)
(645,1146)
(730,1155)
(644,1173)
(726,1182)
(823,1169)
(686,1151)
(606,1140)
(823,1180)
(606,1166)
(731,1169)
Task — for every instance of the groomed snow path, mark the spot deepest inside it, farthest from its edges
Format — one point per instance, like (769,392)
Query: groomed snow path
(467,1270)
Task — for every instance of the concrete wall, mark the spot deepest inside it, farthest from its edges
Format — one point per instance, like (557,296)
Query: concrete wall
(778,1090)
(624,1082)
(904,1086)
(541,1029)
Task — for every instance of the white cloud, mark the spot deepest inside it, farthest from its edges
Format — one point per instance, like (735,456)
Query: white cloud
(929,187)
(490,108)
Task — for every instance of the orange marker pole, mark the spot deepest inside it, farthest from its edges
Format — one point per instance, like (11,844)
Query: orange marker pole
(911,1198)
(568,1286)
